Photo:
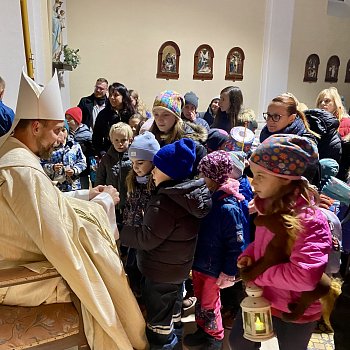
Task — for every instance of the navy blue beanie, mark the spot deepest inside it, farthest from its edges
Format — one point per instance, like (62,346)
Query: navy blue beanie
(216,138)
(176,159)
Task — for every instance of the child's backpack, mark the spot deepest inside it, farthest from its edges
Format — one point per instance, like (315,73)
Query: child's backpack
(333,265)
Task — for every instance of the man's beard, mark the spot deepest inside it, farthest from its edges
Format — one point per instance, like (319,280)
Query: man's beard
(45,152)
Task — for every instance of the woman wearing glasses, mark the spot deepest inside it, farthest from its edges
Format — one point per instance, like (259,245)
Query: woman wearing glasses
(283,117)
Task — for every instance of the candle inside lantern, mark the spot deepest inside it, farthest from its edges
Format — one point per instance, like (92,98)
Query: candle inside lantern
(259,325)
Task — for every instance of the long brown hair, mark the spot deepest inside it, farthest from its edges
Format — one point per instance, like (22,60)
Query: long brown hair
(175,133)
(130,182)
(285,204)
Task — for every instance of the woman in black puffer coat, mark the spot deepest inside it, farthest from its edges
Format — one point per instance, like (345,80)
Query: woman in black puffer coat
(326,125)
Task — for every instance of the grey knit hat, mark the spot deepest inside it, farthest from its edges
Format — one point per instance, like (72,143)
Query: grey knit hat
(191,98)
(144,147)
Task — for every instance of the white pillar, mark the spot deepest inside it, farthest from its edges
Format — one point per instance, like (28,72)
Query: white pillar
(279,15)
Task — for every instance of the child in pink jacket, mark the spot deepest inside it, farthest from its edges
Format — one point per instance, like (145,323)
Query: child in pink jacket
(282,193)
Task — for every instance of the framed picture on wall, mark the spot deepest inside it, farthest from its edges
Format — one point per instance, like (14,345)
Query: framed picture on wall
(168,61)
(203,63)
(347,74)
(311,68)
(332,69)
(234,64)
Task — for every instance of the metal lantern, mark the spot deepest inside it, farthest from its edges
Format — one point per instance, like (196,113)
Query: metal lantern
(256,313)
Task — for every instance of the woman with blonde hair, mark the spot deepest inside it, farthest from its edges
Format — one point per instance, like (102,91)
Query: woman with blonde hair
(330,101)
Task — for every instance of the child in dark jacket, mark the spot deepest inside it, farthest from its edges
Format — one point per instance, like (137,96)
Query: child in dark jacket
(220,242)
(139,185)
(167,238)
(115,164)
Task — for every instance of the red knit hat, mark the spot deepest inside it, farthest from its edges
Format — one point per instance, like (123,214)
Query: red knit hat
(75,113)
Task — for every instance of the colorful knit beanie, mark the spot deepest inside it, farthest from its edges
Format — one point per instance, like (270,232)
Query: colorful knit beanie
(75,113)
(176,159)
(171,101)
(217,166)
(144,147)
(286,156)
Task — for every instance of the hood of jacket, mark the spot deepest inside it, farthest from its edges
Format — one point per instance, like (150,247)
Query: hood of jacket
(192,195)
(321,122)
(195,132)
(82,133)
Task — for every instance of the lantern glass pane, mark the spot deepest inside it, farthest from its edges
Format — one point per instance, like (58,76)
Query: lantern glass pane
(247,322)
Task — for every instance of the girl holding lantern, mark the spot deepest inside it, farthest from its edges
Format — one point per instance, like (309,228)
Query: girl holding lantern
(284,195)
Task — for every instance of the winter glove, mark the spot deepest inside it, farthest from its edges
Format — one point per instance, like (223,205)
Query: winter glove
(225,281)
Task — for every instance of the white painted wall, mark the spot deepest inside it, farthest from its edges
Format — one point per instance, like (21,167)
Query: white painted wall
(316,32)
(120,41)
(12,57)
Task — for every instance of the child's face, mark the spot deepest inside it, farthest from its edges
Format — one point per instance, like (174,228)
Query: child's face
(159,176)
(224,102)
(62,138)
(120,141)
(141,167)
(165,120)
(215,106)
(189,111)
(73,125)
(266,185)
(134,122)
(211,184)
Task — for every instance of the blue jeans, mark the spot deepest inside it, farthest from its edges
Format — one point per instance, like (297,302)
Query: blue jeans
(290,336)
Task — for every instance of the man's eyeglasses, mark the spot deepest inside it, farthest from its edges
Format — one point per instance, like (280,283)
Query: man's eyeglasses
(275,117)
(99,88)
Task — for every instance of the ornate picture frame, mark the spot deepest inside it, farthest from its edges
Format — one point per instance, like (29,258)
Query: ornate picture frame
(311,68)
(332,69)
(347,74)
(168,61)
(234,64)
(203,63)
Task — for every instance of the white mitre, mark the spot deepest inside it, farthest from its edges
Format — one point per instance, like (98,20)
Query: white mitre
(37,102)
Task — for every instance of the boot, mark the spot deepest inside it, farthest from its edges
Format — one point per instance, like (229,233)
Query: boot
(199,337)
(213,344)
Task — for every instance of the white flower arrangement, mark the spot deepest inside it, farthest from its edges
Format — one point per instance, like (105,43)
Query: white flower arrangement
(71,56)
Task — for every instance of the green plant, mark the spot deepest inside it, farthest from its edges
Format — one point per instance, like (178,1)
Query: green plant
(71,56)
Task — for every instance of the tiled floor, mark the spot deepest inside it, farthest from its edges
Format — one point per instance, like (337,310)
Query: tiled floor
(319,341)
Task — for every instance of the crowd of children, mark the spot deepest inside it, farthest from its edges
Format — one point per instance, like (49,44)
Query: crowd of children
(188,200)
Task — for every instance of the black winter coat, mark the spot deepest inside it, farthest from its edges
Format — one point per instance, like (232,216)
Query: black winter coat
(326,125)
(86,105)
(112,170)
(167,239)
(296,128)
(105,119)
